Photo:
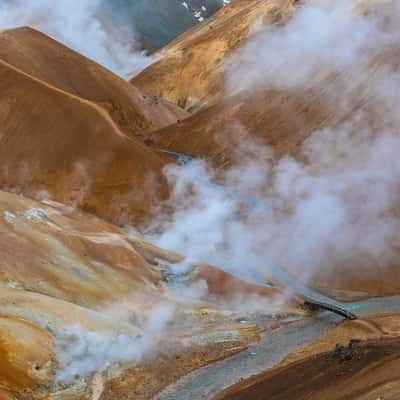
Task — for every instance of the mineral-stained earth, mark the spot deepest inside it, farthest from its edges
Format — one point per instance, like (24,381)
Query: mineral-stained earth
(221,225)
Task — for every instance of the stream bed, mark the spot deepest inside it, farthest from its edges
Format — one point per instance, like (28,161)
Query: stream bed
(208,381)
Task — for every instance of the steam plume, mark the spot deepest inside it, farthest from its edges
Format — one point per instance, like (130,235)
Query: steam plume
(81,352)
(336,203)
(82,25)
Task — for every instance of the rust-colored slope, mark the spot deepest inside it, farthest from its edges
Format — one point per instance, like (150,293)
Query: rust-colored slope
(63,268)
(56,142)
(282,117)
(68,255)
(191,71)
(25,357)
(58,267)
(42,57)
(281,120)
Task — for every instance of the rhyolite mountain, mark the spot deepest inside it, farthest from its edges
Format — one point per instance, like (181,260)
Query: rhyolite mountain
(92,308)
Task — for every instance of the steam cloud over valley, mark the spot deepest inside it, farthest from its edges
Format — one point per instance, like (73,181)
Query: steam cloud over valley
(321,200)
(334,203)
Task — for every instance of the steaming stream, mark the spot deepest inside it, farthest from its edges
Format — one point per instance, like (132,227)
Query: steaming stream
(208,381)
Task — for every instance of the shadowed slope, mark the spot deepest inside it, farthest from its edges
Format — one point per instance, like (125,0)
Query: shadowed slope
(157,22)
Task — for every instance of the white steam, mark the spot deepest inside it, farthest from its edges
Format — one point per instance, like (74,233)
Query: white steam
(338,206)
(82,25)
(81,352)
(203,210)
(320,38)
